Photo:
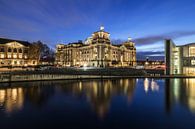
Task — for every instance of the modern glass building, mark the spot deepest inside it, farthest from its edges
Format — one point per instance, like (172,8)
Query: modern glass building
(179,59)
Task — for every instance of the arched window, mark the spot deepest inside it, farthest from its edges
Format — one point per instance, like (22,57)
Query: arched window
(2,49)
(20,50)
(9,50)
(15,50)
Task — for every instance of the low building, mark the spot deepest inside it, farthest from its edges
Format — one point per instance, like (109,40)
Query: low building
(97,51)
(15,53)
(179,59)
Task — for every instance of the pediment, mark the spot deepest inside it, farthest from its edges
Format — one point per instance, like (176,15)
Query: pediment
(14,44)
(123,47)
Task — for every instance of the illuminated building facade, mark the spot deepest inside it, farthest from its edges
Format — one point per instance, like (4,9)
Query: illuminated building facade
(15,53)
(97,51)
(179,59)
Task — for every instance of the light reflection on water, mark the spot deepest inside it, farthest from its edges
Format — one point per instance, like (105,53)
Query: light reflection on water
(181,91)
(98,93)
(150,85)
(105,98)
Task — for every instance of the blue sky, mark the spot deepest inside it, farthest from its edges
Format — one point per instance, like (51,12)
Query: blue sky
(54,21)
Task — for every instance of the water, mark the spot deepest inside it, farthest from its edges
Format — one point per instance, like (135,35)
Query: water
(90,104)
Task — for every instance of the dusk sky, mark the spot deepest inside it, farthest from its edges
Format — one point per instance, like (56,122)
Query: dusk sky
(62,21)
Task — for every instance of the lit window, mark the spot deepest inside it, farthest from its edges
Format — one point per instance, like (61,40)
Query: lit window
(192,62)
(20,56)
(2,56)
(192,51)
(9,56)
(14,56)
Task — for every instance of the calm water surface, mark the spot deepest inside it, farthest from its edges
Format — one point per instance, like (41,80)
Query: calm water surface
(89,104)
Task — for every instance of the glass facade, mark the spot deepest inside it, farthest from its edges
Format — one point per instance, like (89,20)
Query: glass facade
(180,59)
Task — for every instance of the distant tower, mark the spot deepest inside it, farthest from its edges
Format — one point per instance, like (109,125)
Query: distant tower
(101,28)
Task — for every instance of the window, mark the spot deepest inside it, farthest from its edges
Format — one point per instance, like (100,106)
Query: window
(20,56)
(9,56)
(2,56)
(192,51)
(9,50)
(20,50)
(15,50)
(2,49)
(192,62)
(15,56)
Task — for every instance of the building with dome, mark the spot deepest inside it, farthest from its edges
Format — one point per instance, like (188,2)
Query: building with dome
(96,51)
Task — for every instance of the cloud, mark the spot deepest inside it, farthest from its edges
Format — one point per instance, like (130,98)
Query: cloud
(151,55)
(147,40)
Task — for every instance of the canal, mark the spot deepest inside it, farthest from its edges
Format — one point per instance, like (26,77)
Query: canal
(90,104)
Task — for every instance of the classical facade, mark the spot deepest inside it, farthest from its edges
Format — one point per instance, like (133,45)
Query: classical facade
(97,51)
(15,53)
(179,59)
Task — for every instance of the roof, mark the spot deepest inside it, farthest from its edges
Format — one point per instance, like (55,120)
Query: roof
(101,31)
(75,43)
(4,41)
(186,44)
(117,45)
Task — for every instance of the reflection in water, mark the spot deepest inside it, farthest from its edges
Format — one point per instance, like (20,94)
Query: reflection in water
(61,97)
(150,85)
(180,91)
(11,99)
(98,93)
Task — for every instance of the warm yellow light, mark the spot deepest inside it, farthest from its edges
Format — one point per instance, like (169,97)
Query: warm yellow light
(15,56)
(9,55)
(2,56)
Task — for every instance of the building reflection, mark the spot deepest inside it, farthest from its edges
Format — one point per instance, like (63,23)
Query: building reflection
(150,85)
(99,93)
(180,91)
(13,96)
(11,99)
